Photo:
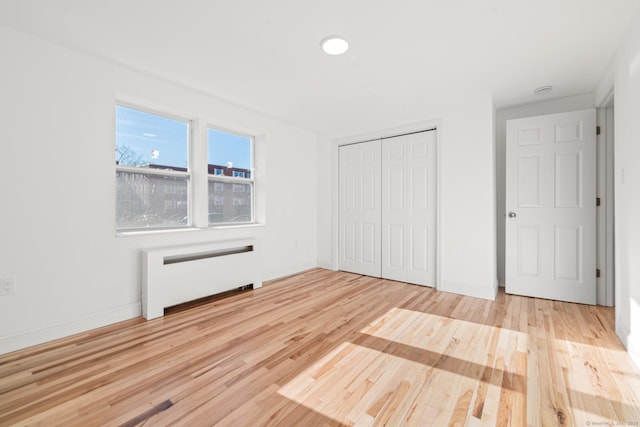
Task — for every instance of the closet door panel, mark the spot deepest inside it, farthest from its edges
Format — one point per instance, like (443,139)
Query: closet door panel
(421,167)
(394,206)
(409,205)
(359,209)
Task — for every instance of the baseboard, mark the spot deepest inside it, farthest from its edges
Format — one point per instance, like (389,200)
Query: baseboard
(36,336)
(467,289)
(623,333)
(326,265)
(634,349)
(297,269)
(630,341)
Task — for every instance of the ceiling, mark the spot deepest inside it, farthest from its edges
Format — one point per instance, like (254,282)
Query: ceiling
(406,56)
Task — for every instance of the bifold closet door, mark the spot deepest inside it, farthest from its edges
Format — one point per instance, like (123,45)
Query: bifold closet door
(408,208)
(359,208)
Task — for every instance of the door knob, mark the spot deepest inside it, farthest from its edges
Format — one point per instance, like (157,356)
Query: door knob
(512,214)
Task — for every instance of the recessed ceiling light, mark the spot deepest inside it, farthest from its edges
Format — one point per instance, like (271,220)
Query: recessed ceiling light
(542,90)
(334,45)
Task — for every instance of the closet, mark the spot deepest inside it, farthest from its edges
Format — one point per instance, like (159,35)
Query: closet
(387,215)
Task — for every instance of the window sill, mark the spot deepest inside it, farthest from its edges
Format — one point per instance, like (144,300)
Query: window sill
(144,232)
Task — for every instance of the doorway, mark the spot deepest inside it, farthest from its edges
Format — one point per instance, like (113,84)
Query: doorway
(550,244)
(605,283)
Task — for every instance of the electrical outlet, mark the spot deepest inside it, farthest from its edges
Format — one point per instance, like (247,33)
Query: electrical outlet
(7,286)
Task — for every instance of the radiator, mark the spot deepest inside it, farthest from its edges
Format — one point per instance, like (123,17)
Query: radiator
(174,275)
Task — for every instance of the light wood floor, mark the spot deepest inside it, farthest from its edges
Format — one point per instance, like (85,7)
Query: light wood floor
(334,349)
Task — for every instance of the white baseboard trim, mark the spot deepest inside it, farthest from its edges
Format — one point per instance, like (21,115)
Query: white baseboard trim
(471,290)
(629,341)
(634,349)
(326,265)
(298,269)
(622,332)
(36,336)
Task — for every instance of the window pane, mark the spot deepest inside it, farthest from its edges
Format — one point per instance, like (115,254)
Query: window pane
(151,201)
(148,140)
(229,154)
(229,202)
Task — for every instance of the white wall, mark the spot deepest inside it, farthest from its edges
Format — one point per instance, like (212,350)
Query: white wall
(57,190)
(467,244)
(560,105)
(468,196)
(626,69)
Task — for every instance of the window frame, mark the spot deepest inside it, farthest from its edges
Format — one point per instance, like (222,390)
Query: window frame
(196,174)
(234,179)
(139,170)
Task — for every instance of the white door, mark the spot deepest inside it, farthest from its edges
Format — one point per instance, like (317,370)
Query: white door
(408,208)
(359,208)
(551,207)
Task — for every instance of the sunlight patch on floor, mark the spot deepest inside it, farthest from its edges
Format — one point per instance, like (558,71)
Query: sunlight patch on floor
(408,364)
(595,390)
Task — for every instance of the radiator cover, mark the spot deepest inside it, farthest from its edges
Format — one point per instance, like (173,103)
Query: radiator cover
(178,274)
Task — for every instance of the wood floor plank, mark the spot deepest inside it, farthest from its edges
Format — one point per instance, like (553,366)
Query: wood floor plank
(327,348)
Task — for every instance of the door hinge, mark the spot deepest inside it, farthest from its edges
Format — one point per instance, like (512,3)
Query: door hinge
(597,201)
(597,130)
(597,273)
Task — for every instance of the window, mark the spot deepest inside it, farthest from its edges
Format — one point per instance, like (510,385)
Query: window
(233,155)
(157,188)
(152,173)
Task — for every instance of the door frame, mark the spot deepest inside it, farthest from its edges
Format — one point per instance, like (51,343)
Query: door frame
(371,136)
(605,190)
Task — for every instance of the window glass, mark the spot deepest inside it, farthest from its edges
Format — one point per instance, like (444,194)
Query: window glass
(229,152)
(230,156)
(147,201)
(233,205)
(149,140)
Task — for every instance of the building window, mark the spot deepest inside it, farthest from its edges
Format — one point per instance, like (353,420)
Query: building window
(233,154)
(152,172)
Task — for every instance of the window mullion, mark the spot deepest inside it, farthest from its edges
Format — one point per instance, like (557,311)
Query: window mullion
(198,166)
